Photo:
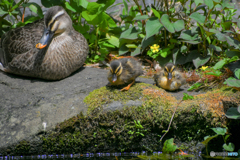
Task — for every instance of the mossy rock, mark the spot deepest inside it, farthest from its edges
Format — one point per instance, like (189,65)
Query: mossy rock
(138,125)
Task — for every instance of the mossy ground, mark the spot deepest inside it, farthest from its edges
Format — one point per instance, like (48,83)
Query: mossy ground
(138,128)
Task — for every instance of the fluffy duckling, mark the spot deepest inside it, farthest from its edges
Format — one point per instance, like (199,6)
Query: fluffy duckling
(169,78)
(49,48)
(124,71)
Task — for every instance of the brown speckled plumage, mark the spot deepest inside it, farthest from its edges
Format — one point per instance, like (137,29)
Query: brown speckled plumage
(65,54)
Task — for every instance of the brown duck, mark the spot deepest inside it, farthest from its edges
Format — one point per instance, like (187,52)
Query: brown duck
(169,78)
(124,71)
(49,48)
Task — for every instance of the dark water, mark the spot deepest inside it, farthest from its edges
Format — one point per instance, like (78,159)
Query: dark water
(103,156)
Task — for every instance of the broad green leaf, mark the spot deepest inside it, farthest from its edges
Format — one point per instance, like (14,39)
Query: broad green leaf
(68,6)
(50,3)
(233,83)
(88,17)
(232,53)
(195,86)
(207,139)
(230,78)
(164,52)
(2,12)
(187,35)
(209,3)
(175,52)
(219,130)
(153,26)
(237,72)
(141,17)
(215,48)
(221,37)
(233,42)
(106,3)
(93,8)
(35,8)
(167,24)
(198,17)
(200,61)
(179,25)
(187,97)
(105,44)
(226,4)
(220,64)
(192,42)
(232,113)
(103,51)
(169,146)
(162,61)
(130,33)
(131,45)
(83,3)
(230,147)
(233,59)
(114,41)
(122,50)
(215,73)
(146,42)
(137,51)
(197,2)
(156,13)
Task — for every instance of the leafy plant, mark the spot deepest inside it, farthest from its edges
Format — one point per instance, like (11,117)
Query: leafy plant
(137,130)
(219,131)
(233,113)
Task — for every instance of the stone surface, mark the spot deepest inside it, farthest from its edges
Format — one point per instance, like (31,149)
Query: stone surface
(26,103)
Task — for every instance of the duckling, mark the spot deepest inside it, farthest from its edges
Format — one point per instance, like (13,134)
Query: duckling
(170,78)
(124,71)
(49,48)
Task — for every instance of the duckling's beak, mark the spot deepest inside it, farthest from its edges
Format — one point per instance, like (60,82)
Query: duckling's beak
(46,38)
(114,77)
(169,76)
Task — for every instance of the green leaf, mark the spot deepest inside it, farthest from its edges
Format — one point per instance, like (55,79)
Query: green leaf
(221,37)
(233,42)
(122,50)
(141,17)
(209,3)
(230,147)
(175,52)
(167,24)
(131,45)
(194,86)
(35,8)
(187,97)
(146,42)
(219,130)
(103,51)
(68,6)
(130,33)
(220,64)
(156,13)
(237,73)
(164,52)
(50,3)
(197,2)
(137,51)
(215,48)
(162,61)
(232,113)
(198,17)
(169,146)
(232,53)
(126,6)
(153,26)
(200,61)
(233,59)
(233,83)
(187,35)
(207,139)
(2,12)
(215,73)
(83,3)
(114,41)
(179,25)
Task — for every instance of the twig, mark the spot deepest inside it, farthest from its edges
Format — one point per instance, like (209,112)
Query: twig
(171,120)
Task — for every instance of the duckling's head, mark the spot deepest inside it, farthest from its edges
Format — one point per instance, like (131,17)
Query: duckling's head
(56,21)
(115,69)
(169,71)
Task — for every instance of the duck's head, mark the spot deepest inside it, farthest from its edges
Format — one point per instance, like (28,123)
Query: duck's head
(56,21)
(169,71)
(115,69)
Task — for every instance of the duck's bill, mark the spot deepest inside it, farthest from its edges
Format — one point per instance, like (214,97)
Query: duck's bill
(169,76)
(46,38)
(114,78)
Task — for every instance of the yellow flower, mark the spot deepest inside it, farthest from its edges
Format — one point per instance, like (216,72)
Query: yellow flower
(204,68)
(155,48)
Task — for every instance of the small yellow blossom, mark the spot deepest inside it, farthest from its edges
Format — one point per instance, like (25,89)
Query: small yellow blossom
(155,48)
(204,68)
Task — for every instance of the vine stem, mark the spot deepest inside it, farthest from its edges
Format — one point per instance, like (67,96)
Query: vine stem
(171,120)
